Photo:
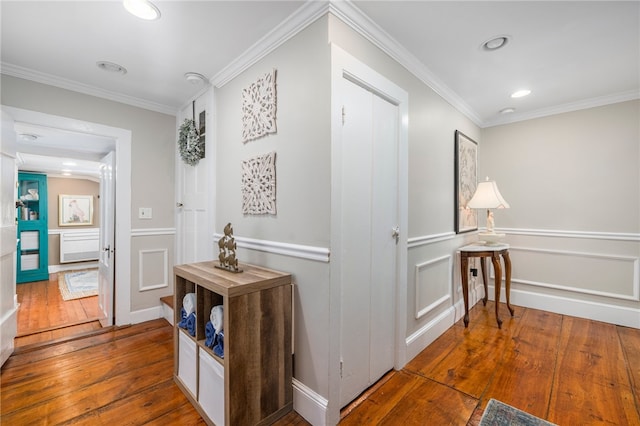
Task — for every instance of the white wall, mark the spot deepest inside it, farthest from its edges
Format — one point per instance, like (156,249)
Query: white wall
(573,183)
(152,175)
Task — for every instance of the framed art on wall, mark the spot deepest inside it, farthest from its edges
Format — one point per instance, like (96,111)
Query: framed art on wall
(75,210)
(466,178)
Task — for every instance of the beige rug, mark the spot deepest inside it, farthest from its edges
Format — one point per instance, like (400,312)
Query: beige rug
(78,284)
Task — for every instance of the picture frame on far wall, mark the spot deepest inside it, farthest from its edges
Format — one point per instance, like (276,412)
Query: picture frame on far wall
(75,210)
(466,180)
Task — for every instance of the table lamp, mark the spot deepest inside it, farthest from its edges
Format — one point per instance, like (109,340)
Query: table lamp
(487,196)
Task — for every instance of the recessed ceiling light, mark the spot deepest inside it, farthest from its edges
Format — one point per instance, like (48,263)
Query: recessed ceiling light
(195,78)
(143,9)
(111,67)
(29,137)
(66,174)
(495,43)
(507,110)
(69,163)
(520,93)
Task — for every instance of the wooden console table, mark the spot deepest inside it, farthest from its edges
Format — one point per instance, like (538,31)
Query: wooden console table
(484,251)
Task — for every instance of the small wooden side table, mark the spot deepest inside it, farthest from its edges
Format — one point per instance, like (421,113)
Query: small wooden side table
(483,251)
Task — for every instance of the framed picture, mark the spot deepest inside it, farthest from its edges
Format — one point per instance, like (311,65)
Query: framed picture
(75,210)
(466,178)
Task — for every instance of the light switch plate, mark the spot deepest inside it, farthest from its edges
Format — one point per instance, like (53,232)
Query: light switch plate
(144,213)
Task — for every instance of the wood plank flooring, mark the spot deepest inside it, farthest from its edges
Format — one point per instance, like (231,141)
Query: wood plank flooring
(43,316)
(567,370)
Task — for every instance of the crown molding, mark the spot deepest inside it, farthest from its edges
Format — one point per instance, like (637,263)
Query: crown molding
(363,25)
(308,13)
(569,107)
(63,83)
(298,21)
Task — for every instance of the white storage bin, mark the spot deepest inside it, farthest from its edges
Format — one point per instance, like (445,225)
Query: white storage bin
(29,262)
(211,392)
(29,240)
(187,362)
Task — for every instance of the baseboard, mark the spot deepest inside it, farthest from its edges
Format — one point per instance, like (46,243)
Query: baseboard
(597,311)
(53,269)
(309,404)
(423,337)
(429,332)
(148,314)
(167,313)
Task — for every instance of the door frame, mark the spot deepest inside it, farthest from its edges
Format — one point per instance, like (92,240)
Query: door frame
(122,137)
(8,228)
(343,65)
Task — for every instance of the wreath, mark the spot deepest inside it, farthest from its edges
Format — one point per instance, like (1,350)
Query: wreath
(190,144)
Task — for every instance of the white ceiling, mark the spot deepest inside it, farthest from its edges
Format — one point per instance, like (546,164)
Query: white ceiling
(60,153)
(571,54)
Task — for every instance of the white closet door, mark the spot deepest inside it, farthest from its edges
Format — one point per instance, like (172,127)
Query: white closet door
(369,215)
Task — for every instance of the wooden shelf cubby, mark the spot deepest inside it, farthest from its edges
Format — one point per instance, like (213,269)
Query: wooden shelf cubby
(251,384)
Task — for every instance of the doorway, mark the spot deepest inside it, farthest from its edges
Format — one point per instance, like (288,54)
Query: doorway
(121,139)
(63,301)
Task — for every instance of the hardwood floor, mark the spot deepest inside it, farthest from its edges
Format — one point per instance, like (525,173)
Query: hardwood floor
(567,370)
(43,316)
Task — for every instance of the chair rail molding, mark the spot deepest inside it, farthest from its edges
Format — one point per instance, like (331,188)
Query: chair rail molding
(150,232)
(430,239)
(320,254)
(614,236)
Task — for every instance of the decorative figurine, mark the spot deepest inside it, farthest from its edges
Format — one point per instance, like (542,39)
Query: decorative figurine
(227,248)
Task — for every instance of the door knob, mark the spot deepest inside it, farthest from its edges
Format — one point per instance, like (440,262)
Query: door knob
(179,205)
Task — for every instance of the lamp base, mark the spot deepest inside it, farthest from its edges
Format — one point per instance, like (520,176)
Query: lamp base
(490,238)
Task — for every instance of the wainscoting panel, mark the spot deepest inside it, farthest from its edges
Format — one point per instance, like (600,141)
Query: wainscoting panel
(598,274)
(153,267)
(433,284)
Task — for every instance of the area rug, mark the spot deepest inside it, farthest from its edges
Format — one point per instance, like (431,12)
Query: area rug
(500,414)
(78,284)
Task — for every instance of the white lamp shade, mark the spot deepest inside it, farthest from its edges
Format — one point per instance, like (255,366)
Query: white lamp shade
(487,196)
